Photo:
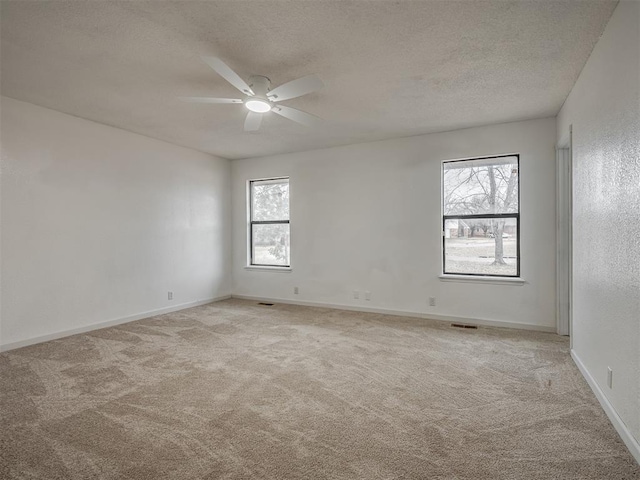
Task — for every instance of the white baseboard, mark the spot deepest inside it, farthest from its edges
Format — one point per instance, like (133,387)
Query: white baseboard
(627,437)
(108,323)
(405,313)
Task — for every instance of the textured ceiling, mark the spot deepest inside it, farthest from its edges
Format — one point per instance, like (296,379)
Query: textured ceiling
(391,68)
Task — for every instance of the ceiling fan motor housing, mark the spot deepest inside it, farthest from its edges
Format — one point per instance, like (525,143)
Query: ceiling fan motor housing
(259,102)
(260,86)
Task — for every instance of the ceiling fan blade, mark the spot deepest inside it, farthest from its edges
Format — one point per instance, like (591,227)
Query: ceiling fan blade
(209,100)
(229,75)
(297,116)
(252,122)
(296,88)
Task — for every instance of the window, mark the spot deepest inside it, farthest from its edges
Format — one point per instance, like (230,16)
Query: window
(269,222)
(481,216)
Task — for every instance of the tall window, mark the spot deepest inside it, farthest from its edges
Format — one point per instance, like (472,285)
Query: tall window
(269,222)
(481,216)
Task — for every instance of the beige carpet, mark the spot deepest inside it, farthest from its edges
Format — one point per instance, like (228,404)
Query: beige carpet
(237,390)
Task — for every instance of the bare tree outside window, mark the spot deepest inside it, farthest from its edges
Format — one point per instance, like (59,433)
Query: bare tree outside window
(481,216)
(269,222)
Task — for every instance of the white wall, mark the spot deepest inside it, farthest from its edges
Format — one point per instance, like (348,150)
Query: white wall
(367,217)
(604,109)
(98,224)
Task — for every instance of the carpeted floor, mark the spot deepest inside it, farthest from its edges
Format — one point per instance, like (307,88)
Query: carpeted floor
(236,390)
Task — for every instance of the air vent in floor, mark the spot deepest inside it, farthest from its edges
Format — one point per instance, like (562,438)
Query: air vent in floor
(266,304)
(462,325)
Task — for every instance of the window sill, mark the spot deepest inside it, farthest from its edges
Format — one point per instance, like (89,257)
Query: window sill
(268,269)
(518,281)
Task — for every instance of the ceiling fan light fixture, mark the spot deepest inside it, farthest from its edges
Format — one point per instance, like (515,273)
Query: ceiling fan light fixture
(257,105)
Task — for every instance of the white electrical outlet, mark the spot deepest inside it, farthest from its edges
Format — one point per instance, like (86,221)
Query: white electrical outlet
(356,294)
(609,377)
(432,301)
(295,290)
(170,295)
(367,296)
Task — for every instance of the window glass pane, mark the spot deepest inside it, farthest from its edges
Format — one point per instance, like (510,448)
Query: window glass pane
(480,187)
(270,244)
(270,200)
(482,246)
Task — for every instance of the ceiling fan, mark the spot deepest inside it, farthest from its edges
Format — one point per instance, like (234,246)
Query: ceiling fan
(260,99)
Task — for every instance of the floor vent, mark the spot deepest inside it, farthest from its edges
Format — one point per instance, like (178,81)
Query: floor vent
(266,304)
(462,325)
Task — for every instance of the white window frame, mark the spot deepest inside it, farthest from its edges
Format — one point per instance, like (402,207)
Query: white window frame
(251,222)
